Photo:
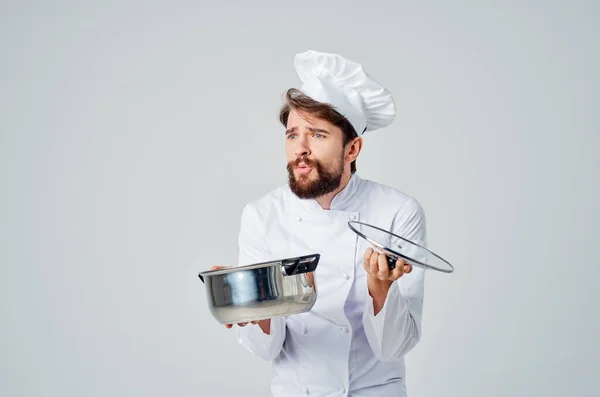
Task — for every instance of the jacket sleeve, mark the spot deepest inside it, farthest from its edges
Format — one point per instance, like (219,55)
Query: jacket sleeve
(254,249)
(396,329)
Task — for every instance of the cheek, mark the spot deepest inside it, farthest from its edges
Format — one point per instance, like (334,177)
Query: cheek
(289,151)
(325,149)
(333,153)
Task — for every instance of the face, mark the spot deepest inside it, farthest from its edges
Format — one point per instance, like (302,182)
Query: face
(316,155)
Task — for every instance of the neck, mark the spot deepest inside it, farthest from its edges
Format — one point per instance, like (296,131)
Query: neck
(325,200)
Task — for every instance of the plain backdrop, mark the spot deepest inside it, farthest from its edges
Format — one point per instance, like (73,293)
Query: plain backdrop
(132,133)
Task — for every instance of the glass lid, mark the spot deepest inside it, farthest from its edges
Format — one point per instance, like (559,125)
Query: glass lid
(396,247)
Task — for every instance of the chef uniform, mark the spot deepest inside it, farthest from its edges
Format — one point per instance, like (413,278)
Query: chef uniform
(339,347)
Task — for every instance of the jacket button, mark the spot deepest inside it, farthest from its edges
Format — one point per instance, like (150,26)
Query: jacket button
(345,275)
(299,219)
(342,390)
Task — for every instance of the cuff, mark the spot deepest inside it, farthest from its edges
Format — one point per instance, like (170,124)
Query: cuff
(256,341)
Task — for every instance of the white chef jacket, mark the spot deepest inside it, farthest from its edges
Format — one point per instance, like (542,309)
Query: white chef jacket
(339,347)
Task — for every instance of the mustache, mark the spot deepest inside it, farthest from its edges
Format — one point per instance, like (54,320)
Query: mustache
(305,160)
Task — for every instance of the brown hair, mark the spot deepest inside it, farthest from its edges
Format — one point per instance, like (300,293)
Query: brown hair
(295,100)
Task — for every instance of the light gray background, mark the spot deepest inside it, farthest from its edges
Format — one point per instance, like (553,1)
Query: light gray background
(132,134)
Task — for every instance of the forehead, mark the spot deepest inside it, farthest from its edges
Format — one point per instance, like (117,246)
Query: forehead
(297,119)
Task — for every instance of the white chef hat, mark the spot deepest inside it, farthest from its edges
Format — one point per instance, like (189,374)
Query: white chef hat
(342,83)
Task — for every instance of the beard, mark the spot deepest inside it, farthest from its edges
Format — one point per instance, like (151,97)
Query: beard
(327,180)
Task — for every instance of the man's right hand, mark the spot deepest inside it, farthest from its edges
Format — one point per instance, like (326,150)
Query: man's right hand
(265,325)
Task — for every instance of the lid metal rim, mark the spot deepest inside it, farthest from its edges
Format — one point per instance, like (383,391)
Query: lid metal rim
(411,260)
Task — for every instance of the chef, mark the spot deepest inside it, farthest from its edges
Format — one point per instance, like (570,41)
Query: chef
(366,318)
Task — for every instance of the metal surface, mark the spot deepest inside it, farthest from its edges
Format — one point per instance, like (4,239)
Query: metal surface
(261,291)
(404,249)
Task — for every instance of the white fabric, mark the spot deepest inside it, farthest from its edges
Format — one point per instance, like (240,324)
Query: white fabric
(342,83)
(339,347)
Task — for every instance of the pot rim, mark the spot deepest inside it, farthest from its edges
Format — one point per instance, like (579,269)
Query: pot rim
(233,269)
(295,262)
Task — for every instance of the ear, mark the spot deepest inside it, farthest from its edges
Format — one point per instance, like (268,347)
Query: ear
(353,149)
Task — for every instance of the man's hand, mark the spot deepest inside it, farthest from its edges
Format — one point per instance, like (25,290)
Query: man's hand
(265,325)
(379,276)
(377,267)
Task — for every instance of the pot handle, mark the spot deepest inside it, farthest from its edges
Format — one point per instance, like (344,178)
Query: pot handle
(301,264)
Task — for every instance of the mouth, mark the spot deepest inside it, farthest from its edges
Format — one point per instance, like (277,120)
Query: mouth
(303,169)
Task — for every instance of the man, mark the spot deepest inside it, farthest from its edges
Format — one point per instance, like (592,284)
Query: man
(366,318)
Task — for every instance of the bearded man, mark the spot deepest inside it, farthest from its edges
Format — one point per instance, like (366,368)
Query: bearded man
(367,317)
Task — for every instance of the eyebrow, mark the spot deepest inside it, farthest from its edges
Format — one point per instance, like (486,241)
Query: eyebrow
(313,129)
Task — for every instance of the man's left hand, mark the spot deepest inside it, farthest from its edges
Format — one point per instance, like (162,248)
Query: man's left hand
(379,275)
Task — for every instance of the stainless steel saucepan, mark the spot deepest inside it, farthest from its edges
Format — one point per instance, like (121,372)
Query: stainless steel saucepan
(263,290)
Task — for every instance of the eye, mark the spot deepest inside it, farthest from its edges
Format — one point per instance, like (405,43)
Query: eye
(290,136)
(319,135)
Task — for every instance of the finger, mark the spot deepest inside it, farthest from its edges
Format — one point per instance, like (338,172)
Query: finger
(367,259)
(383,267)
(253,322)
(368,253)
(242,324)
(407,268)
(373,263)
(398,270)
(228,326)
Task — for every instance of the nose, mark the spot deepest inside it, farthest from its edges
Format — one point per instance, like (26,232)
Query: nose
(303,152)
(301,148)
